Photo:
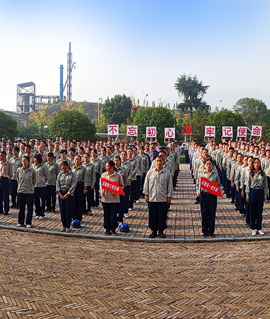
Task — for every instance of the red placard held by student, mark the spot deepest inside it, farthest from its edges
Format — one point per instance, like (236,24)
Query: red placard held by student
(210,187)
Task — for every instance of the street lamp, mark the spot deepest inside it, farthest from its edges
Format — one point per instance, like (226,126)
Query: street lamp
(145,100)
(99,102)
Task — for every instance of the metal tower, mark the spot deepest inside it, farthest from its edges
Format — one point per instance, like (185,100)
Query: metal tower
(69,74)
(26,97)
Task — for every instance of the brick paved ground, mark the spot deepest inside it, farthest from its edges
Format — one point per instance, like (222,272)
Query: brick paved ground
(184,223)
(47,276)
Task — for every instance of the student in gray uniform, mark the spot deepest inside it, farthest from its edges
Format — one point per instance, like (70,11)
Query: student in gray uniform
(90,180)
(26,177)
(53,169)
(16,162)
(65,187)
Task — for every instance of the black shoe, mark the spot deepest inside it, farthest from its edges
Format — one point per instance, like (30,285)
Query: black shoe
(232,201)
(153,234)
(205,235)
(212,235)
(107,233)
(5,213)
(13,206)
(197,202)
(161,234)
(229,196)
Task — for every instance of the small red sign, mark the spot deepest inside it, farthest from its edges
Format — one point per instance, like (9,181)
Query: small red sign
(111,186)
(210,187)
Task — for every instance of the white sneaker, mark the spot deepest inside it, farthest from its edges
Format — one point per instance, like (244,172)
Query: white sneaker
(41,217)
(261,232)
(36,217)
(126,215)
(28,226)
(137,201)
(130,209)
(19,225)
(254,232)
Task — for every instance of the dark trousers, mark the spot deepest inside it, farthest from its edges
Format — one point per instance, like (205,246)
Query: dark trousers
(121,209)
(137,196)
(256,200)
(132,193)
(246,207)
(232,190)
(4,194)
(78,201)
(88,199)
(175,177)
(14,187)
(228,187)
(40,196)
(158,215)
(208,212)
(127,190)
(268,182)
(96,190)
(28,200)
(187,159)
(239,201)
(66,209)
(51,197)
(141,184)
(224,180)
(110,215)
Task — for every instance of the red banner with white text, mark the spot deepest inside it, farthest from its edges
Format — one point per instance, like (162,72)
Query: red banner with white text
(210,187)
(111,186)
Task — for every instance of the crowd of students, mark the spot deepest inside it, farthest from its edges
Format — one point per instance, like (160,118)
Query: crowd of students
(242,171)
(35,173)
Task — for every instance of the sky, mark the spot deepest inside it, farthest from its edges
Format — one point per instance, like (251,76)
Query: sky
(136,48)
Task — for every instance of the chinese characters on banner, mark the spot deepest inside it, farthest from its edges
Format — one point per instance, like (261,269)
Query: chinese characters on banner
(241,131)
(210,131)
(227,131)
(132,130)
(113,129)
(169,132)
(256,130)
(151,132)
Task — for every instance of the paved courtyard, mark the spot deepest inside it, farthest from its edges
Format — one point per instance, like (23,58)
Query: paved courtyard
(47,276)
(184,222)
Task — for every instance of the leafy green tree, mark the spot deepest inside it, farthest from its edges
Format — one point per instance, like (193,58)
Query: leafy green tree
(225,118)
(8,126)
(192,90)
(160,117)
(253,111)
(41,120)
(117,109)
(72,124)
(199,121)
(29,131)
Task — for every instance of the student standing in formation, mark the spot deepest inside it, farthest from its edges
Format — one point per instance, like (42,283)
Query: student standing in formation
(208,201)
(16,162)
(111,201)
(80,189)
(26,177)
(41,186)
(158,193)
(53,169)
(127,189)
(98,171)
(256,195)
(90,180)
(65,187)
(6,174)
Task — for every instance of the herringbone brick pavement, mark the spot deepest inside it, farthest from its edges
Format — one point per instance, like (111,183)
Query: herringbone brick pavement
(184,223)
(45,276)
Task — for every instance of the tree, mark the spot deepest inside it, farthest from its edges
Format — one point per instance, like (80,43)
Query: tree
(72,124)
(192,92)
(253,111)
(199,120)
(225,118)
(41,120)
(117,109)
(8,126)
(160,117)
(29,131)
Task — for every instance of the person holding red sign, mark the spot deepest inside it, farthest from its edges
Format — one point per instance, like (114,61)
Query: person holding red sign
(110,200)
(208,201)
(256,195)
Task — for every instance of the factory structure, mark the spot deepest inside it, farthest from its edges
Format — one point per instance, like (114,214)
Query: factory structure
(28,101)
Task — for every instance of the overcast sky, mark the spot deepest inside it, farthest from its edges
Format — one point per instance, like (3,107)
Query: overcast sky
(137,47)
